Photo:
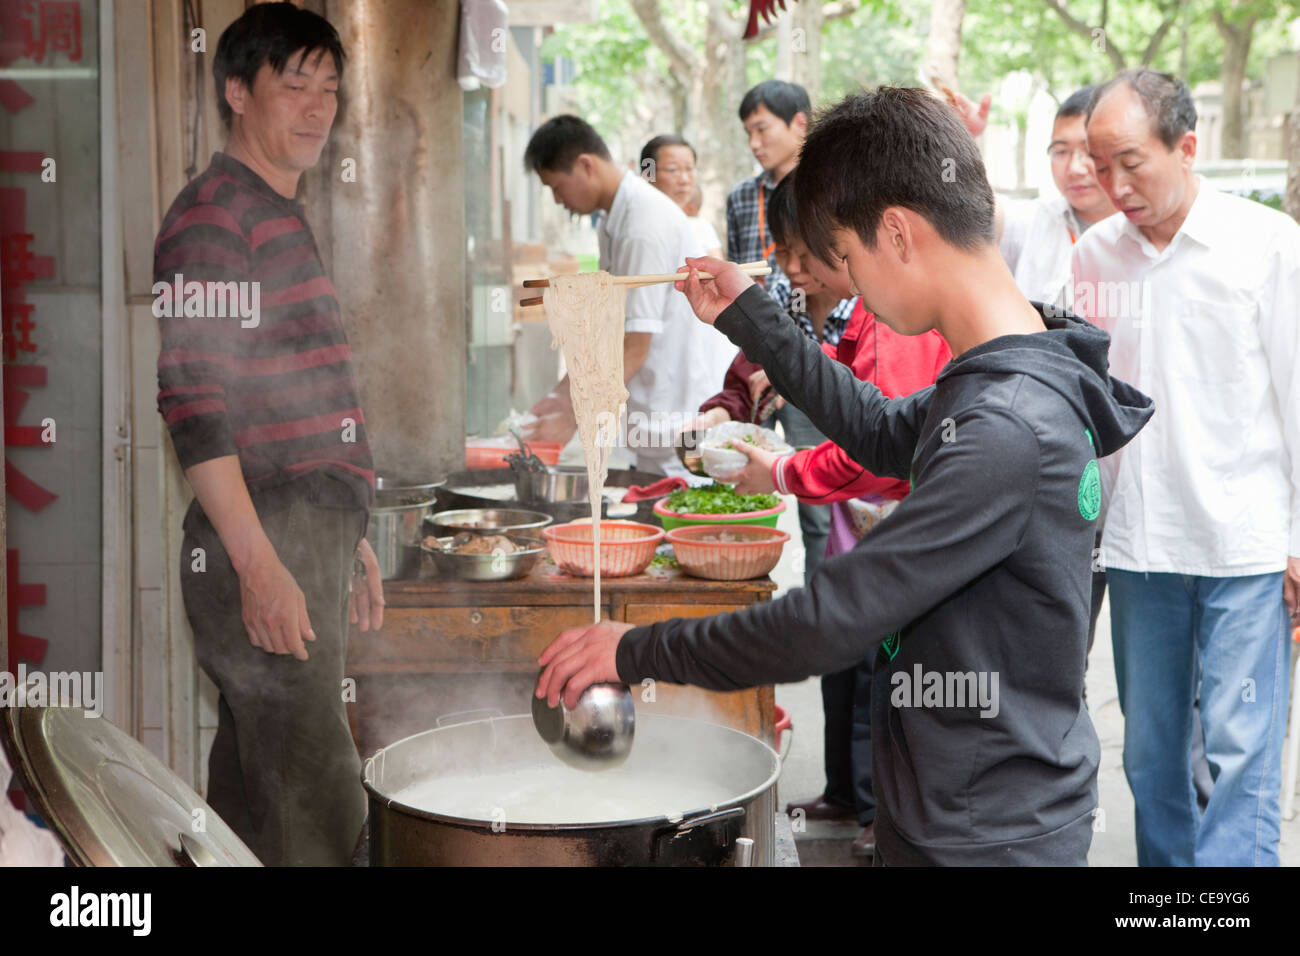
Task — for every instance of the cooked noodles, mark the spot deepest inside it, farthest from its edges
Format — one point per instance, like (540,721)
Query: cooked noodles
(585,313)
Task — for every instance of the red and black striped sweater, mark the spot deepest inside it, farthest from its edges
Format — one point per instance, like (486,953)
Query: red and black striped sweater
(254,358)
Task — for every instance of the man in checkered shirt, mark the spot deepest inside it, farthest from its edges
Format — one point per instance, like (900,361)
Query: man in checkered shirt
(775,115)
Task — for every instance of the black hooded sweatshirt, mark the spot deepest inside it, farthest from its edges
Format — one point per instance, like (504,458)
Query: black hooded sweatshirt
(974,593)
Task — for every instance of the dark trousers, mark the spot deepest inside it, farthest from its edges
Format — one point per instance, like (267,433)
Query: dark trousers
(283,772)
(846,702)
(1098,597)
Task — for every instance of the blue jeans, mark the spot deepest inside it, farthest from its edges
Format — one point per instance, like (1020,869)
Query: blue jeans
(1231,633)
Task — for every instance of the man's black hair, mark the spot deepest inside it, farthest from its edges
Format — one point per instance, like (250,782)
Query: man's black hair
(891,147)
(781,99)
(1166,99)
(270,33)
(780,212)
(651,149)
(1076,104)
(559,142)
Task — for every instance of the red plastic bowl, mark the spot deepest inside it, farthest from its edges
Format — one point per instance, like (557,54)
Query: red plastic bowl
(744,551)
(481,453)
(626,547)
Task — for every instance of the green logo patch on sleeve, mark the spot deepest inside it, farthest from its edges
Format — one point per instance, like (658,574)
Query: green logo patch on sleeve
(1090,491)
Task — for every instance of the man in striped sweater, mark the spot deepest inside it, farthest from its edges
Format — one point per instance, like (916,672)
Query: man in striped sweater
(258,393)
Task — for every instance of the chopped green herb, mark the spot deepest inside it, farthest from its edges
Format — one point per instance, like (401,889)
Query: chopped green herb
(663,561)
(717,499)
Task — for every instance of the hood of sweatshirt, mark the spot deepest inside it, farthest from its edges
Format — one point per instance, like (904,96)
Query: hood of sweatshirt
(1071,358)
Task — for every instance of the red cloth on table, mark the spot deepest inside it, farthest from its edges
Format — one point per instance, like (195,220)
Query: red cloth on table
(657,489)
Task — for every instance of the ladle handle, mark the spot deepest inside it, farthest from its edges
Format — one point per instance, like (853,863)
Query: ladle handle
(707,818)
(192,853)
(465,716)
(707,838)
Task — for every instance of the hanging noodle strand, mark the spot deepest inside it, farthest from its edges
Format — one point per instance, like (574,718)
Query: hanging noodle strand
(585,314)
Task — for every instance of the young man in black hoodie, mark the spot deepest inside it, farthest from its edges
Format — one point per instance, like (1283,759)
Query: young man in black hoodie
(975,593)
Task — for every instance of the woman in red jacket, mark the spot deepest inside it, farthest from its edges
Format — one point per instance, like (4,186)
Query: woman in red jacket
(898,365)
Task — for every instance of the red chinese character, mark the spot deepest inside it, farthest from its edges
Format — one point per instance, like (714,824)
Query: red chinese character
(17,327)
(17,379)
(16,259)
(59,29)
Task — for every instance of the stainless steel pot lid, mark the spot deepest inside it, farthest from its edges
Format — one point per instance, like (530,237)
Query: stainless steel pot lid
(108,799)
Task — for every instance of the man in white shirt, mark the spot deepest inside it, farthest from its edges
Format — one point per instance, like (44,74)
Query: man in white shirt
(1036,236)
(671,362)
(668,164)
(1200,292)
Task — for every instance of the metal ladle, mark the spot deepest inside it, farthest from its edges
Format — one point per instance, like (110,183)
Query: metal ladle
(594,735)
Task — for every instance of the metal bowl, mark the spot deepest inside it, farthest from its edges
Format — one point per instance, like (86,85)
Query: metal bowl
(485,521)
(394,535)
(596,734)
(552,483)
(487,567)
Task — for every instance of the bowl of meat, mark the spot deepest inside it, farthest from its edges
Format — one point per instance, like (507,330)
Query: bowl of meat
(484,557)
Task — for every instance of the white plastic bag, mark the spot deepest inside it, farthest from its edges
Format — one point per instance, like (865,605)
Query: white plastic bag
(23,843)
(484,41)
(721,462)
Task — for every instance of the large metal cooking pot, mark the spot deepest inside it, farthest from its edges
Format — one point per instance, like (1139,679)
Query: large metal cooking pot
(666,749)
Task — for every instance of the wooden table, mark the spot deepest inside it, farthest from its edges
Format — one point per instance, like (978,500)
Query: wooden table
(457,646)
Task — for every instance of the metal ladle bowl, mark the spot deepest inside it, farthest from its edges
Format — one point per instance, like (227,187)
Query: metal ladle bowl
(594,735)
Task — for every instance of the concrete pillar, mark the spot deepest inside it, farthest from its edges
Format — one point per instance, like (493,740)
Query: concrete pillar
(396,236)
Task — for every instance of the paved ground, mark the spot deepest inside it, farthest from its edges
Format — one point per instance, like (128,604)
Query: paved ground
(802,776)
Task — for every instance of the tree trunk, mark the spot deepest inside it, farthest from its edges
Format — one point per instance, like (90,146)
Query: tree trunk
(724,155)
(683,115)
(1291,201)
(1022,140)
(1095,35)
(944,44)
(784,41)
(1236,51)
(1184,33)
(807,47)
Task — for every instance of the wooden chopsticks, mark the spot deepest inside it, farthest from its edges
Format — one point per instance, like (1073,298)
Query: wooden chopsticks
(759,268)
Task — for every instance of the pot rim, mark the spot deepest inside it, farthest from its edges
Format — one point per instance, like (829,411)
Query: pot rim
(469,823)
(419,505)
